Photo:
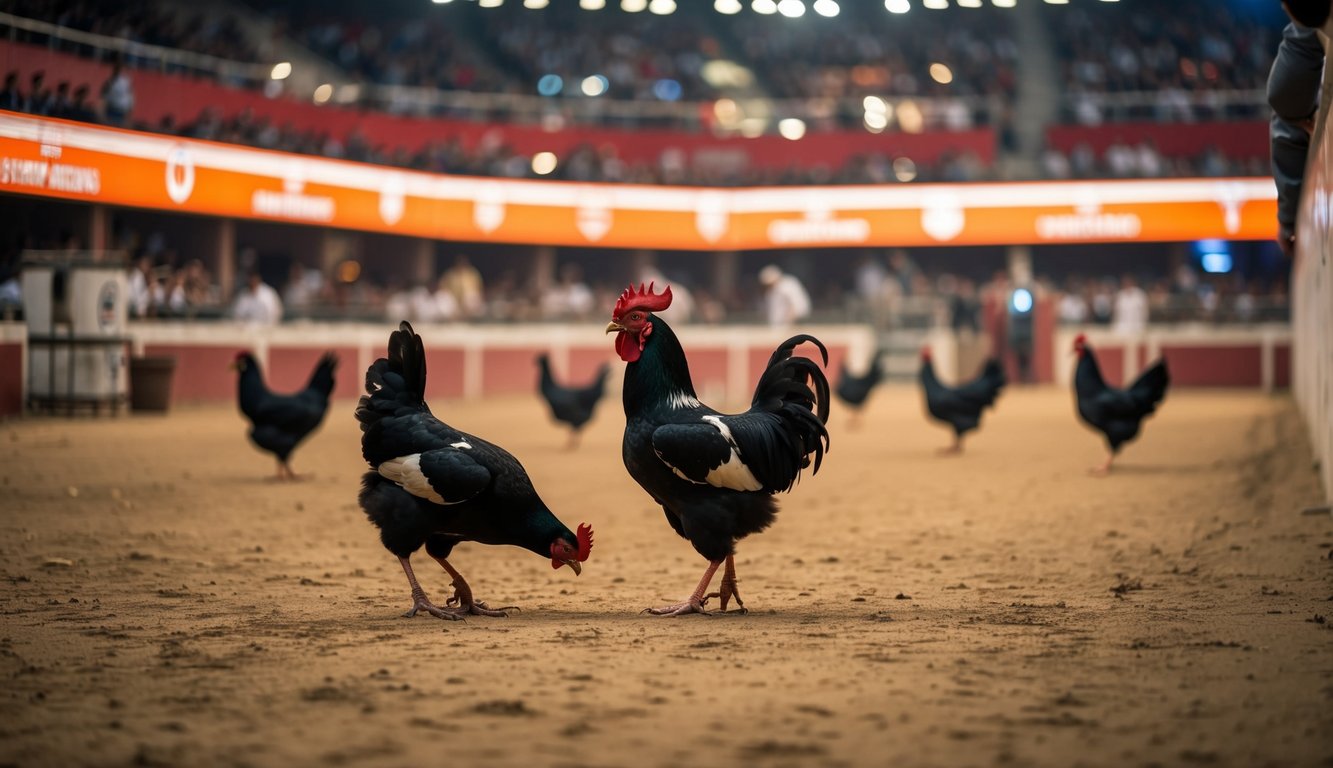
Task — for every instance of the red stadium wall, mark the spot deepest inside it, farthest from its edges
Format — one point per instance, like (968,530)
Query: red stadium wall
(158,95)
(1251,358)
(13,369)
(463,361)
(1244,139)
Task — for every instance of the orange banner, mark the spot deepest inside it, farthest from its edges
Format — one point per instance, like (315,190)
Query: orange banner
(75,161)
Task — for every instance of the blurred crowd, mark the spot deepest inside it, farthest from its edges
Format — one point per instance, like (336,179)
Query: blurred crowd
(1184,66)
(1122,160)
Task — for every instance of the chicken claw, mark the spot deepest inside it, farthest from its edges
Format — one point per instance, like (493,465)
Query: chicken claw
(422,604)
(693,605)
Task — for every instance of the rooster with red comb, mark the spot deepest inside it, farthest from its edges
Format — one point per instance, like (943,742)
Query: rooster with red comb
(714,474)
(434,485)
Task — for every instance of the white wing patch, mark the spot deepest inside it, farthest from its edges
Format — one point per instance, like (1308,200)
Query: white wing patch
(406,472)
(460,444)
(682,400)
(731,473)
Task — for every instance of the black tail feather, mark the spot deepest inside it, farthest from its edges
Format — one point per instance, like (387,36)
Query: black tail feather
(321,379)
(797,390)
(394,382)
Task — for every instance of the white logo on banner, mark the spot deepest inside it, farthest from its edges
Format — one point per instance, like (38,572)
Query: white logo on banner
(488,209)
(392,200)
(942,216)
(180,174)
(711,216)
(593,216)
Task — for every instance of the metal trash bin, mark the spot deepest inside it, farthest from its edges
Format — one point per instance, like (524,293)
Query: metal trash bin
(150,383)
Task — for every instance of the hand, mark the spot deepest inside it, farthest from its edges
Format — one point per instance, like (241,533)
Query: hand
(1286,240)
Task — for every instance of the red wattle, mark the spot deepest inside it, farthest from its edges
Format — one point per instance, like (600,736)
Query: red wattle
(627,347)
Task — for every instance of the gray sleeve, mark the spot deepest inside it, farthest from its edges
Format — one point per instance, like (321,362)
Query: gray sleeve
(1291,144)
(1293,93)
(1293,82)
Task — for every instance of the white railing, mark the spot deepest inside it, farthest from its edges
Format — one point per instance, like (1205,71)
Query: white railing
(1165,106)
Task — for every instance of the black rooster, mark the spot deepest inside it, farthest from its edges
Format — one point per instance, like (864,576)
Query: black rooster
(713,474)
(432,484)
(854,390)
(1116,413)
(280,422)
(571,405)
(960,407)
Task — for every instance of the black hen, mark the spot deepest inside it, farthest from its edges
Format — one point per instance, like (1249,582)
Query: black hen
(960,407)
(854,390)
(278,423)
(571,405)
(432,484)
(1117,413)
(714,474)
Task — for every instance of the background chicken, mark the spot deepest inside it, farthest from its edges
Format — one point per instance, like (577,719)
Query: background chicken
(854,390)
(432,484)
(571,405)
(960,407)
(1116,413)
(713,474)
(278,423)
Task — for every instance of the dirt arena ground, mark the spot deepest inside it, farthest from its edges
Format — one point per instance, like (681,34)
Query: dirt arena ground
(165,604)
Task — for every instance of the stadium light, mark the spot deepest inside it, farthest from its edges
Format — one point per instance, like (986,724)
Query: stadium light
(910,118)
(904,169)
(941,73)
(323,93)
(550,85)
(595,85)
(728,7)
(935,5)
(792,128)
(539,4)
(969,3)
(490,3)
(876,122)
(281,71)
(633,6)
(765,7)
(441,2)
(592,5)
(662,7)
(543,163)
(897,6)
(828,8)
(1004,3)
(792,9)
(1057,2)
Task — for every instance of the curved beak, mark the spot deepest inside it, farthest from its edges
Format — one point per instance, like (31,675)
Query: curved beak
(613,326)
(574,566)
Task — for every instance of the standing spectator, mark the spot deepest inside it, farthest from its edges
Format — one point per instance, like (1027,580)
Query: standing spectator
(1130,315)
(302,289)
(1293,93)
(118,96)
(1073,308)
(258,303)
(81,109)
(10,98)
(39,99)
(570,299)
(786,300)
(141,288)
(58,105)
(904,269)
(464,282)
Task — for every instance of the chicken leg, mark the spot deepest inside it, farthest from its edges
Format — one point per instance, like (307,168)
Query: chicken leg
(1103,469)
(695,602)
(419,600)
(955,449)
(462,599)
(727,589)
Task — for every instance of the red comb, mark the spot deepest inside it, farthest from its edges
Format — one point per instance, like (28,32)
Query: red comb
(584,535)
(1081,339)
(642,299)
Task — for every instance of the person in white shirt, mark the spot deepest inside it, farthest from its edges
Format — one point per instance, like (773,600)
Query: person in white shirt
(1129,315)
(786,300)
(258,303)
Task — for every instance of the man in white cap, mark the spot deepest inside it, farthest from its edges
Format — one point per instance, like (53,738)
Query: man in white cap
(786,299)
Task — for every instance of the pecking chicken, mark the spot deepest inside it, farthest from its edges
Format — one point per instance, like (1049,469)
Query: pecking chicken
(278,423)
(432,484)
(571,405)
(1117,413)
(854,390)
(714,474)
(960,407)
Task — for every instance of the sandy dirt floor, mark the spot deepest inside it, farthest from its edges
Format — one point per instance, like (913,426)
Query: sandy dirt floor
(165,604)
